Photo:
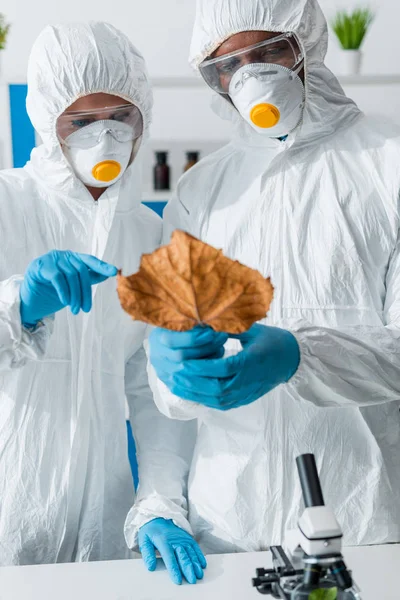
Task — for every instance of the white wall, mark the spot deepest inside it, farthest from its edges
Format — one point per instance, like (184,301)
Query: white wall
(162,29)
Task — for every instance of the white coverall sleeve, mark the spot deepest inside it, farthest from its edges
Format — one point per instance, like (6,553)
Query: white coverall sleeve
(164,454)
(355,366)
(172,406)
(17,344)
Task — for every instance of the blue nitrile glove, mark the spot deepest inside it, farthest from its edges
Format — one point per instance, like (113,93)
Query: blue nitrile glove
(169,349)
(270,356)
(59,279)
(179,551)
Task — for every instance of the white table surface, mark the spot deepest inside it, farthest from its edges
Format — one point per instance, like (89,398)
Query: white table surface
(376,570)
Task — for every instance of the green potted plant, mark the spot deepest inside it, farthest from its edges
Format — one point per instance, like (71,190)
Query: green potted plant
(351,29)
(4,31)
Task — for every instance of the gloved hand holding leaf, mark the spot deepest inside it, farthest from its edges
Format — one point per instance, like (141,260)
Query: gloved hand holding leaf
(189,283)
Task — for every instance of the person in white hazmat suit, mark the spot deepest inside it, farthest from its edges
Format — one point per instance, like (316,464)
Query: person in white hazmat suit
(307,192)
(66,218)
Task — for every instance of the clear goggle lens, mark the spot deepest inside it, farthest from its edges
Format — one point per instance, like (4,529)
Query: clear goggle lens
(281,50)
(124,123)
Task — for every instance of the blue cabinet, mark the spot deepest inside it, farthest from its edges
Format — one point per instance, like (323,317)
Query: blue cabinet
(22,132)
(157,206)
(132,455)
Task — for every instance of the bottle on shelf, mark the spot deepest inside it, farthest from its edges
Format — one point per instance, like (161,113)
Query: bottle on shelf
(192,159)
(161,172)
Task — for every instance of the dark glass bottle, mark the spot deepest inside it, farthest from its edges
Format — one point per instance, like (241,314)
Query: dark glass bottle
(192,159)
(161,172)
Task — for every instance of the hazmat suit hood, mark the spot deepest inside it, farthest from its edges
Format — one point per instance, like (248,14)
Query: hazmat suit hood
(327,108)
(68,62)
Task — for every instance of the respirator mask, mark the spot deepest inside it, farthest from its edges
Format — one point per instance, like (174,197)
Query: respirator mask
(263,83)
(100,144)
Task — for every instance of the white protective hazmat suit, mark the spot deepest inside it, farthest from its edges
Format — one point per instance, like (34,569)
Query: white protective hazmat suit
(65,481)
(319,214)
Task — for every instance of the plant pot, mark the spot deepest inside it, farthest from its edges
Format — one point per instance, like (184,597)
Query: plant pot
(350,62)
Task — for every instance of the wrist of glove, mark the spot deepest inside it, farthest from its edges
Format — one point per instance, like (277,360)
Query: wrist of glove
(180,553)
(192,365)
(59,279)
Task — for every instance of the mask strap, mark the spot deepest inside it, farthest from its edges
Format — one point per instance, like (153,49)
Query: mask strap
(299,68)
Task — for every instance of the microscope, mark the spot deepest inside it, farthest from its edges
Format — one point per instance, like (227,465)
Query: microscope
(313,567)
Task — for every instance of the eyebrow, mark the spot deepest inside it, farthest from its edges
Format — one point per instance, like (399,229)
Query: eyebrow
(269,36)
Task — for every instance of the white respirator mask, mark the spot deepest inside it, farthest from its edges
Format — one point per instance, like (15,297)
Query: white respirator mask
(100,153)
(269,97)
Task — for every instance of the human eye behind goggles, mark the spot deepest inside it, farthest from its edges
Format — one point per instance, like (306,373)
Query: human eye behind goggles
(283,50)
(127,119)
(80,123)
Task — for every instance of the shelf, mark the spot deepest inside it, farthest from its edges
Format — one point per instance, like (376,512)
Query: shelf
(151,196)
(369,79)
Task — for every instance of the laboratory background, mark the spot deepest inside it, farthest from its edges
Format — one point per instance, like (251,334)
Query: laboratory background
(184,121)
(184,130)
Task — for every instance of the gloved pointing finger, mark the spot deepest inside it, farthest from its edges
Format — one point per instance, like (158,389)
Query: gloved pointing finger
(59,279)
(99,267)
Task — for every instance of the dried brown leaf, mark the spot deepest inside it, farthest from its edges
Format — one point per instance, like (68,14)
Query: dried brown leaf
(188,283)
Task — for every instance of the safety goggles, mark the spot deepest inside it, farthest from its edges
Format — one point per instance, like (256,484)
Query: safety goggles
(124,123)
(281,50)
